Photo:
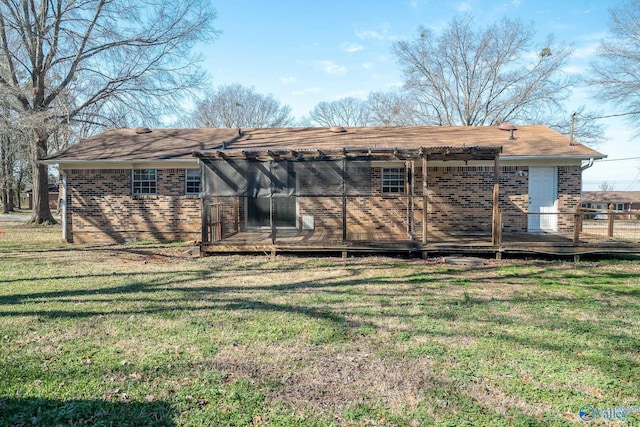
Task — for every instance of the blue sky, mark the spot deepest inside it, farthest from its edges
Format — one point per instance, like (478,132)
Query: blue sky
(305,52)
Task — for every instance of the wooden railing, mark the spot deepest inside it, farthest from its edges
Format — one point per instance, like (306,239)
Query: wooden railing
(608,223)
(583,225)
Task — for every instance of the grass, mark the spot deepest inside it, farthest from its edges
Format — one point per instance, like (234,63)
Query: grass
(143,335)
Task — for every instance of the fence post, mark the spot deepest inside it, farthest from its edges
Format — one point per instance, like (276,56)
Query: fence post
(610,220)
(577,225)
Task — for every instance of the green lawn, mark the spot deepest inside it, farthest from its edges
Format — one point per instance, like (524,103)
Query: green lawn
(143,335)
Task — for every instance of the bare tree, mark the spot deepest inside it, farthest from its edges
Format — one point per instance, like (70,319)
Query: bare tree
(605,186)
(617,73)
(7,161)
(12,146)
(343,112)
(468,77)
(101,57)
(394,109)
(14,166)
(234,105)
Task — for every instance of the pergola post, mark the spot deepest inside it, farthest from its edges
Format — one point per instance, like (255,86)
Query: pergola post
(204,237)
(424,198)
(496,232)
(344,196)
(272,206)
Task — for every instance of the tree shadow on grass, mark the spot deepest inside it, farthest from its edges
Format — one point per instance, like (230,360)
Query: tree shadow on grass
(220,291)
(15,411)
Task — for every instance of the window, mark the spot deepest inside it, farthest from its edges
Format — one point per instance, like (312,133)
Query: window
(145,181)
(193,181)
(392,180)
(618,206)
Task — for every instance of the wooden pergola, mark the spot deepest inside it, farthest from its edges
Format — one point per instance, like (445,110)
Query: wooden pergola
(410,156)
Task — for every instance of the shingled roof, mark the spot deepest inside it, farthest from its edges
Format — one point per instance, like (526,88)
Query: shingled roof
(126,145)
(611,197)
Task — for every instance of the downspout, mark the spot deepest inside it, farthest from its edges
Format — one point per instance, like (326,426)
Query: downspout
(63,205)
(588,165)
(578,215)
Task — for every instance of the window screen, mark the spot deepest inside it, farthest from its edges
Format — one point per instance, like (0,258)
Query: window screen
(145,181)
(392,180)
(192,181)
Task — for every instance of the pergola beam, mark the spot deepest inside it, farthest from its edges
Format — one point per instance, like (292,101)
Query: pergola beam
(359,153)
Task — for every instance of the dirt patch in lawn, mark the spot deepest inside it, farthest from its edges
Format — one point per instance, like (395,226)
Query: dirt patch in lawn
(312,378)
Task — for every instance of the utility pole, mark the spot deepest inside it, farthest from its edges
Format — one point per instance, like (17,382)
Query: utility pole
(573,120)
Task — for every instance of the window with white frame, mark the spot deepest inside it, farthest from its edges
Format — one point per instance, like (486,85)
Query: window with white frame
(192,181)
(145,181)
(392,180)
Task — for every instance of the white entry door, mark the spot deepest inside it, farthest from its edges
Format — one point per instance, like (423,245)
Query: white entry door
(543,199)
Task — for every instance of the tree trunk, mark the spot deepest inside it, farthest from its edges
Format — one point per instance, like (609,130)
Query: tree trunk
(11,197)
(5,206)
(4,183)
(41,212)
(19,187)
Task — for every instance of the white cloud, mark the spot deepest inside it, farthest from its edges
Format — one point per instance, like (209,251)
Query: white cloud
(417,4)
(306,91)
(331,67)
(371,34)
(352,47)
(360,94)
(587,51)
(382,33)
(367,65)
(597,36)
(464,7)
(573,69)
(288,80)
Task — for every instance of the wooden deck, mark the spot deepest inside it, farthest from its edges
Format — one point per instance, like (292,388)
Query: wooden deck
(522,243)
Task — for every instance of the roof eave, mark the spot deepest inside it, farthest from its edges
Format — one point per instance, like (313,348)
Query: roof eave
(186,160)
(561,157)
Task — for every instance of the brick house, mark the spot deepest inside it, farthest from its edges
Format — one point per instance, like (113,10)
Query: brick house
(619,201)
(319,188)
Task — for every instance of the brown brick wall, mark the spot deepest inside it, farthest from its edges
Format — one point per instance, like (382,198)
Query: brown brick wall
(514,198)
(101,208)
(327,213)
(377,218)
(569,192)
(460,199)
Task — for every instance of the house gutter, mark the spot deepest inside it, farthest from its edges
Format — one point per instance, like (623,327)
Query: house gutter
(518,158)
(114,161)
(588,165)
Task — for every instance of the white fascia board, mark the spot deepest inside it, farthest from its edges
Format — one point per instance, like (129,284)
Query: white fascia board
(514,161)
(558,159)
(132,164)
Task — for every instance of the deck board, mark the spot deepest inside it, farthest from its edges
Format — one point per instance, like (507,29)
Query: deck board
(328,241)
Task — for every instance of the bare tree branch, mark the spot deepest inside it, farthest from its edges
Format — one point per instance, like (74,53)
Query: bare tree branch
(234,105)
(616,74)
(79,62)
(480,77)
(343,112)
